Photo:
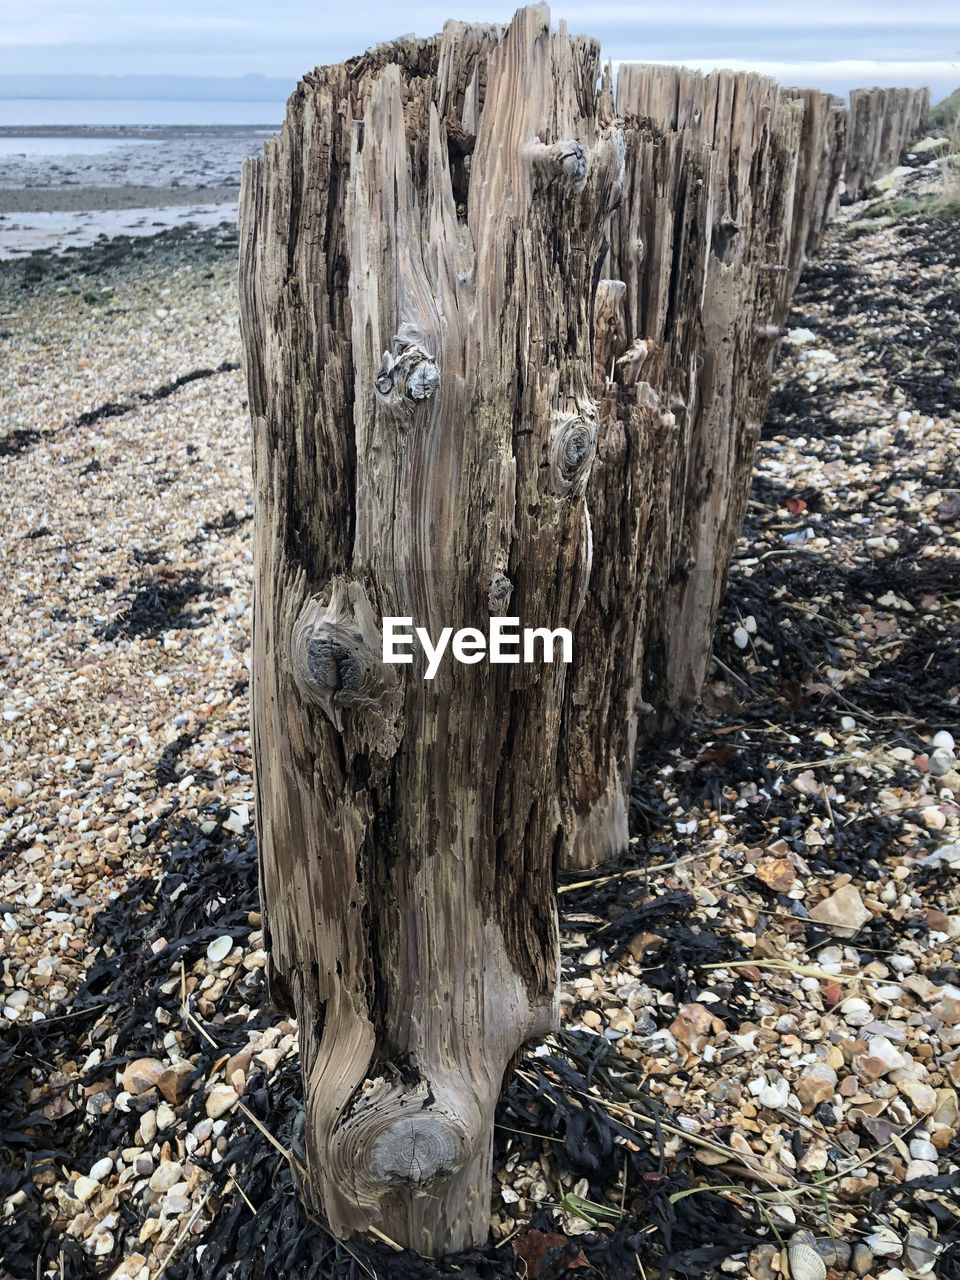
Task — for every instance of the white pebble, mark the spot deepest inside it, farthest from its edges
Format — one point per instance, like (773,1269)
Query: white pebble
(750,624)
(102,1169)
(85,1188)
(884,1243)
(922,1149)
(944,740)
(741,637)
(940,762)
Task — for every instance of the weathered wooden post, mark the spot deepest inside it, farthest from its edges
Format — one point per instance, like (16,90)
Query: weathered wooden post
(820,163)
(698,259)
(882,123)
(419,255)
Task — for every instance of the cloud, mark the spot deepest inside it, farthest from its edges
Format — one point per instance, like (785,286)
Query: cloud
(825,40)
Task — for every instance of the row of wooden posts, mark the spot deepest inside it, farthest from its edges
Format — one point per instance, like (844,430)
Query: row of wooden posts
(509,335)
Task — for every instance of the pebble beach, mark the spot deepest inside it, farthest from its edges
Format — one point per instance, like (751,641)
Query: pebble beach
(758,1068)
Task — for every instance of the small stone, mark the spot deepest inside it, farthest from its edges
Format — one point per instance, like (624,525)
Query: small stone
(856,1012)
(270,1059)
(103,1243)
(777,874)
(843,912)
(944,741)
(143,1164)
(141,1075)
(948,854)
(221,1099)
(947,1010)
(946,1112)
(692,1026)
(741,637)
(835,1253)
(884,1243)
(923,1149)
(861,1260)
(165,1175)
(148,1127)
(857,1187)
(816,1085)
(85,1188)
(941,1135)
(880,1058)
(165,1116)
(920,1254)
(879,1128)
(239,1061)
(129,1267)
(760,1263)
(591,958)
(920,1169)
(220,948)
(940,762)
(172,1081)
(922,1098)
(102,1169)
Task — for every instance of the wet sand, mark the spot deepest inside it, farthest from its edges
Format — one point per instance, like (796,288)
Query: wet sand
(65,187)
(62,231)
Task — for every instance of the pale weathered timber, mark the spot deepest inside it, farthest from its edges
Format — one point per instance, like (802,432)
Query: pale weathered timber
(698,251)
(419,255)
(882,123)
(820,161)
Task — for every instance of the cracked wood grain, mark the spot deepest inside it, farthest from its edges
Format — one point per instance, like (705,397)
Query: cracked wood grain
(420,249)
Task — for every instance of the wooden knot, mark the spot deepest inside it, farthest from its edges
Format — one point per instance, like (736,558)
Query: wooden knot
(563,162)
(500,594)
(397,1135)
(416,1149)
(407,377)
(573,445)
(336,657)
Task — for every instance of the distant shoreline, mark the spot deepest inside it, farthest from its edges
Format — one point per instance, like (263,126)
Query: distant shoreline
(135,132)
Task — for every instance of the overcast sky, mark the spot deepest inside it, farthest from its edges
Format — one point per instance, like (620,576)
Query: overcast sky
(833,43)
